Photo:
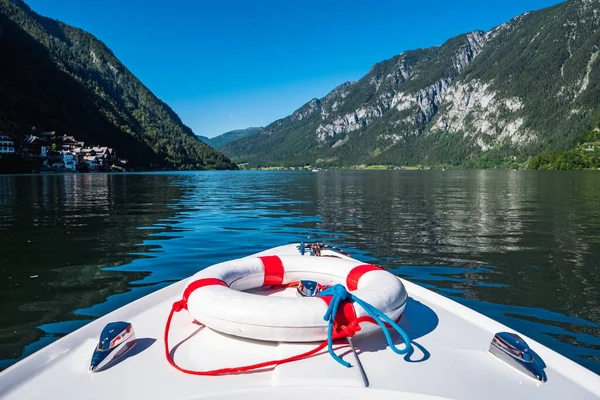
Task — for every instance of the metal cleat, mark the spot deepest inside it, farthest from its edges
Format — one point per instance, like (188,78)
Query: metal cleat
(116,339)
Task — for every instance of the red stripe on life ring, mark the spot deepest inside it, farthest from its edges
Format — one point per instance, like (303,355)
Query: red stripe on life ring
(346,314)
(357,272)
(274,271)
(200,283)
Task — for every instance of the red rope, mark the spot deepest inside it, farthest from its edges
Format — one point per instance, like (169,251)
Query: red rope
(339,331)
(178,306)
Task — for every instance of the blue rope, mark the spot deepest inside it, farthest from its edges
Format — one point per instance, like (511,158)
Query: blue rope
(339,293)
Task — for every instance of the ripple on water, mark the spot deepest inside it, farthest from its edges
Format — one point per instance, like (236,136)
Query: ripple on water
(518,247)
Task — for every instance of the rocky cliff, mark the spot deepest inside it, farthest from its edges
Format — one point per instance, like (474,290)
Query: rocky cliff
(528,85)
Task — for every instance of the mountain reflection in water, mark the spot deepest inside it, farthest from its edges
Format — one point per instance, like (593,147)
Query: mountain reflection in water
(520,247)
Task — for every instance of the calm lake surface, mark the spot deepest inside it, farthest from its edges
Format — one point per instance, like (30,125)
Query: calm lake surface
(521,247)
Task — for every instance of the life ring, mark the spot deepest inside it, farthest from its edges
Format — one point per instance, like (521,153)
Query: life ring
(218,297)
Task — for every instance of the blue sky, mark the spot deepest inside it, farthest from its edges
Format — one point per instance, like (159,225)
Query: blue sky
(223,65)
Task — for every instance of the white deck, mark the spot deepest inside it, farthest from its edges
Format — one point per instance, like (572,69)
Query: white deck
(451,360)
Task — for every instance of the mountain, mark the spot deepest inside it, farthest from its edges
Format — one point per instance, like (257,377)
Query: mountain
(60,78)
(219,141)
(480,99)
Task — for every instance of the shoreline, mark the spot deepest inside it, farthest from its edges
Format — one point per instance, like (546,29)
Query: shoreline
(270,169)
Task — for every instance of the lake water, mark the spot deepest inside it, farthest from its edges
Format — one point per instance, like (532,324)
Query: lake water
(520,247)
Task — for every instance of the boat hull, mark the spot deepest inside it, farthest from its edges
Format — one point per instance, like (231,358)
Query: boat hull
(451,360)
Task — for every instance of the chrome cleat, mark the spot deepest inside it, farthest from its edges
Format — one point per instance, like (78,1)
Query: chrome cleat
(308,288)
(116,339)
(512,349)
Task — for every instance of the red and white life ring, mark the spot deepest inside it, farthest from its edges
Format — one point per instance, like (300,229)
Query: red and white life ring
(218,296)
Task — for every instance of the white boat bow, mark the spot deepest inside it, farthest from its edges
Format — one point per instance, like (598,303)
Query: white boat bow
(451,360)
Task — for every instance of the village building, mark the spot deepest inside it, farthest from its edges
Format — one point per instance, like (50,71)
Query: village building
(590,146)
(64,153)
(92,162)
(34,146)
(7,145)
(105,156)
(69,161)
(69,143)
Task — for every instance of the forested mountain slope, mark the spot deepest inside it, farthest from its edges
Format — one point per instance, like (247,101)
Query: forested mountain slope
(480,99)
(57,77)
(221,140)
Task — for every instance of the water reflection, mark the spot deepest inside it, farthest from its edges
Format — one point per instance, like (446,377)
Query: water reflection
(520,247)
(512,238)
(57,234)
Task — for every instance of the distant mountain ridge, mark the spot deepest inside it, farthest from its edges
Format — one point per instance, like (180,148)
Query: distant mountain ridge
(57,77)
(481,99)
(221,140)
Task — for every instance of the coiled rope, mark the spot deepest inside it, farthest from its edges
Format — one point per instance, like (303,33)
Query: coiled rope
(339,294)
